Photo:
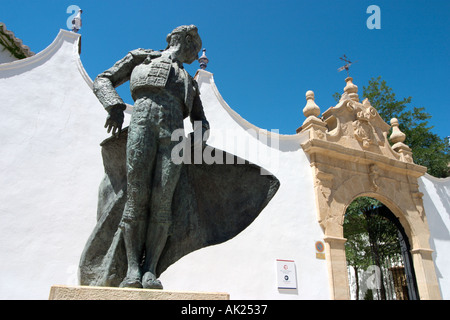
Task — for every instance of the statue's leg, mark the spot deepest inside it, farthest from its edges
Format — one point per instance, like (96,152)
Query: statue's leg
(141,151)
(165,180)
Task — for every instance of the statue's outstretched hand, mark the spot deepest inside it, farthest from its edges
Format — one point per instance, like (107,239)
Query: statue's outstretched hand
(114,121)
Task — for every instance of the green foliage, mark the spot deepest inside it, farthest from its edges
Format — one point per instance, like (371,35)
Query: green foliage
(428,149)
(372,238)
(366,231)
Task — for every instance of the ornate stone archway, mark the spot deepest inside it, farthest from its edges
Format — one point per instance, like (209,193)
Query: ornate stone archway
(351,156)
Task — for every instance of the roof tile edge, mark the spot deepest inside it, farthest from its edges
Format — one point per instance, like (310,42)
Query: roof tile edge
(25,50)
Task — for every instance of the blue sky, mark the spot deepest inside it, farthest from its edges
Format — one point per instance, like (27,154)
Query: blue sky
(266,54)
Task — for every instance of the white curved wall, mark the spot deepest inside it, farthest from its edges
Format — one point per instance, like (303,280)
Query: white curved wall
(50,166)
(436,200)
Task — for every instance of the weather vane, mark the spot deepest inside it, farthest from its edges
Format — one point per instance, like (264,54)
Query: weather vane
(347,65)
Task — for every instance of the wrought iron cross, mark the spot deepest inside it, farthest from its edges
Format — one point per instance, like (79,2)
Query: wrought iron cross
(347,65)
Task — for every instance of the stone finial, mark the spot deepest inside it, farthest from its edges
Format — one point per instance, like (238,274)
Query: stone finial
(397,135)
(311,108)
(311,112)
(351,90)
(203,60)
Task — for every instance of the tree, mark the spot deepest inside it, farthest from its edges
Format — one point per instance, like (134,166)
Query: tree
(357,248)
(371,238)
(428,148)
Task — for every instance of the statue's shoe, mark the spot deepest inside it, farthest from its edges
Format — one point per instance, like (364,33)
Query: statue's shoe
(149,281)
(131,283)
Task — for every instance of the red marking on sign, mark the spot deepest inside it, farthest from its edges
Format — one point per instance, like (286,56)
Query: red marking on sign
(319,246)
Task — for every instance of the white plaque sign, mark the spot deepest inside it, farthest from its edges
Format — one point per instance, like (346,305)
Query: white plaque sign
(286,274)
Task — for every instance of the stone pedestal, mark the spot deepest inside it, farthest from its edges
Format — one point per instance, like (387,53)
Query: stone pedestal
(60,292)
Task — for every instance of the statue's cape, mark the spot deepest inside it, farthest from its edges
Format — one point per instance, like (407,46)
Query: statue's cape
(212,203)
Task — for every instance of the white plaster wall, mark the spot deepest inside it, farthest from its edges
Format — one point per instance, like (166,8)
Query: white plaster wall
(436,201)
(5,56)
(51,167)
(287,228)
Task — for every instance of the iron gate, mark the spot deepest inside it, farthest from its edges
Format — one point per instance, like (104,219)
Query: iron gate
(378,255)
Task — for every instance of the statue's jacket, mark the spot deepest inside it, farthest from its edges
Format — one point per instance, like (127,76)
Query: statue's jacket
(149,71)
(212,203)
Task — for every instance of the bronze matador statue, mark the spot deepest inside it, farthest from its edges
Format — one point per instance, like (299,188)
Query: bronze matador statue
(151,210)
